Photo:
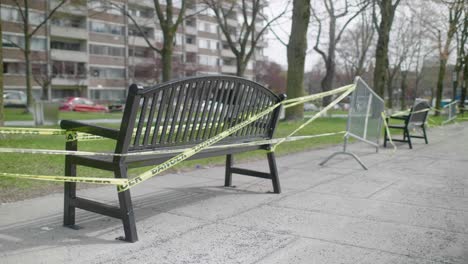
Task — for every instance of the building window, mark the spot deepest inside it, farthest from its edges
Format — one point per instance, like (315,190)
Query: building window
(109,95)
(207,44)
(102,6)
(106,28)
(107,73)
(14,68)
(139,52)
(106,50)
(54,44)
(208,60)
(69,21)
(190,57)
(68,69)
(139,12)
(14,41)
(207,27)
(190,39)
(191,22)
(13,15)
(145,31)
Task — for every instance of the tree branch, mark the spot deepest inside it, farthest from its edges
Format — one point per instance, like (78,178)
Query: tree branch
(317,39)
(51,13)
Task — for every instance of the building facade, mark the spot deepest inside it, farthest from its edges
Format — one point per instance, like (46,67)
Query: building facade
(91,49)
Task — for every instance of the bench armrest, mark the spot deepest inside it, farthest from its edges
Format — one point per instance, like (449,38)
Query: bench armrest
(90,129)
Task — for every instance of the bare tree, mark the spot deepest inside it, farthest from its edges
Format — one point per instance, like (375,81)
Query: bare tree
(455,11)
(169,18)
(354,50)
(463,56)
(28,32)
(2,115)
(296,51)
(272,75)
(386,13)
(335,32)
(253,24)
(402,55)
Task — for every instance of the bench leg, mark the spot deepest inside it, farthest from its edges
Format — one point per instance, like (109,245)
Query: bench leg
(69,188)
(424,133)
(385,138)
(228,177)
(126,209)
(274,172)
(409,138)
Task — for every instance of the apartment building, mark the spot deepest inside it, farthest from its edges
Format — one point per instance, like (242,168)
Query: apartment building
(93,50)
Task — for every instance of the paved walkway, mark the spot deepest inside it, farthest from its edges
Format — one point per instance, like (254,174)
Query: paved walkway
(409,207)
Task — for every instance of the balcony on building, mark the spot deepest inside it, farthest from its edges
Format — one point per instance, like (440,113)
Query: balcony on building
(74,7)
(141,55)
(63,49)
(69,73)
(227,52)
(229,65)
(136,37)
(69,26)
(143,15)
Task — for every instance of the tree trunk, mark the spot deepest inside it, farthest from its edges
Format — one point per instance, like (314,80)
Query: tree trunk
(240,67)
(2,116)
(464,85)
(381,52)
(296,52)
(440,84)
(404,88)
(327,81)
(27,61)
(390,93)
(166,57)
(381,65)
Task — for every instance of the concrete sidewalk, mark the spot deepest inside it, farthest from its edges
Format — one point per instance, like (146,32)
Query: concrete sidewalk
(409,207)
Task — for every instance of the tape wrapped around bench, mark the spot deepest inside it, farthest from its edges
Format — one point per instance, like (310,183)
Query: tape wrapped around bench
(177,114)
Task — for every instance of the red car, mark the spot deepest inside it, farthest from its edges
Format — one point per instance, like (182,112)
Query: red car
(80,104)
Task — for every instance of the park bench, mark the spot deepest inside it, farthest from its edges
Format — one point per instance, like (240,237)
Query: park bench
(175,115)
(416,118)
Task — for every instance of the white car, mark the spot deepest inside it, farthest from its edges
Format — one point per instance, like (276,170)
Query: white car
(14,98)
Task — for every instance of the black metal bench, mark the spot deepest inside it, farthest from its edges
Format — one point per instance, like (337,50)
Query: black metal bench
(415,119)
(177,114)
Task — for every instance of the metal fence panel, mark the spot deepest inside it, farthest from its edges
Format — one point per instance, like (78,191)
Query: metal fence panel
(365,114)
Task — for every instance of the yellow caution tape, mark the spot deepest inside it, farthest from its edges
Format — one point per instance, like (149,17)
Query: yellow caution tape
(349,90)
(69,135)
(384,118)
(162,151)
(124,184)
(67,178)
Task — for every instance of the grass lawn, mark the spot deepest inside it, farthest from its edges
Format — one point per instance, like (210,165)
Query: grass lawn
(18,114)
(14,189)
(54,164)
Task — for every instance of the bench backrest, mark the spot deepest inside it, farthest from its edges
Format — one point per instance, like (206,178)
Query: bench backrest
(419,113)
(188,111)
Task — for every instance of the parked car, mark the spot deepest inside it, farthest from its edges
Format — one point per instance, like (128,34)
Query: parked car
(310,107)
(80,104)
(14,98)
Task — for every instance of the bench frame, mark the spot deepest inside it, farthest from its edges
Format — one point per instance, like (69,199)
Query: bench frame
(120,164)
(415,119)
